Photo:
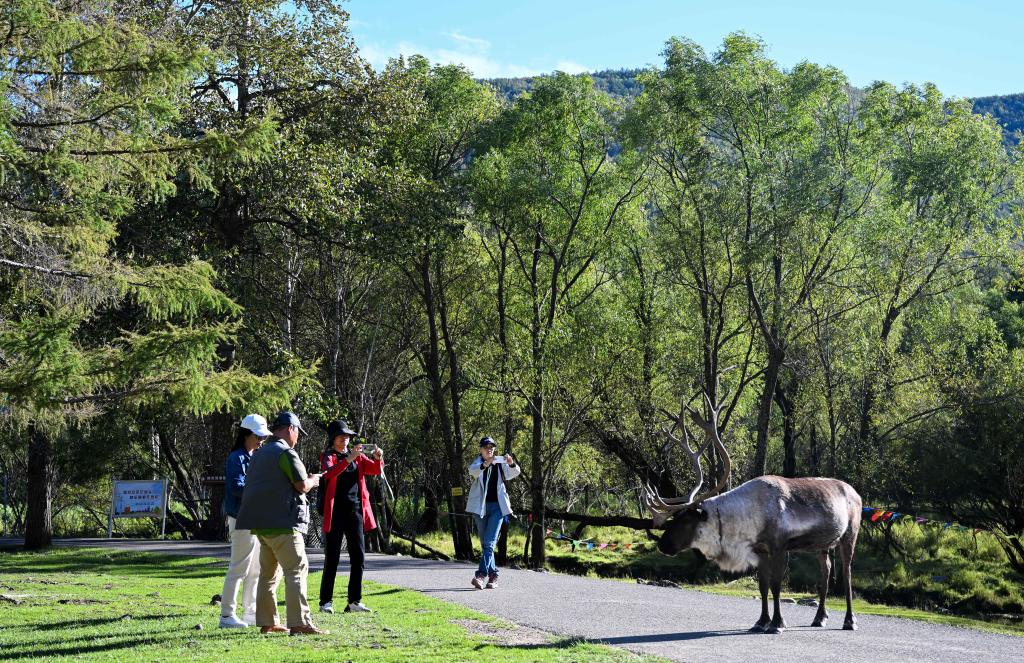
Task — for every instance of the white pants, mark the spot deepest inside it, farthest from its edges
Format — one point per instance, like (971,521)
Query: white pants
(243,569)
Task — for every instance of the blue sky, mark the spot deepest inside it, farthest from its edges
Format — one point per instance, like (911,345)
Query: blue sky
(966,47)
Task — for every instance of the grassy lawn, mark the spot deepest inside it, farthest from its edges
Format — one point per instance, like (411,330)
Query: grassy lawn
(112,605)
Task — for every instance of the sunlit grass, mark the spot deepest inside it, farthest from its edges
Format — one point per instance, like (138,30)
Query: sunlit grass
(116,606)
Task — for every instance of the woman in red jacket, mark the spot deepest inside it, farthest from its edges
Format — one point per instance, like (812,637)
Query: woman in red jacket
(347,511)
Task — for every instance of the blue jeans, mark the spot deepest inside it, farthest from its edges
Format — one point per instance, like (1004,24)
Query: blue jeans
(488,527)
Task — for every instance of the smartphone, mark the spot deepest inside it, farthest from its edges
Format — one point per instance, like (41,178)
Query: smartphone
(368,449)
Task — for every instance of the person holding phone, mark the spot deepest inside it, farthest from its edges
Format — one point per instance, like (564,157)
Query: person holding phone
(489,503)
(346,510)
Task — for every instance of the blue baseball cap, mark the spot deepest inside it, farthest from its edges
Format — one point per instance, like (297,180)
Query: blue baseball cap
(287,419)
(488,442)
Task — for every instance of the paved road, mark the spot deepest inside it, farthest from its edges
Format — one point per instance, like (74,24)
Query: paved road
(682,625)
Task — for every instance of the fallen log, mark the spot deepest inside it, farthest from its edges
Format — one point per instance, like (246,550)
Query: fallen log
(601,521)
(419,544)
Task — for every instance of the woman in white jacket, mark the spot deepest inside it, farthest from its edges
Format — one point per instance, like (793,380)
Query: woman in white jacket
(489,503)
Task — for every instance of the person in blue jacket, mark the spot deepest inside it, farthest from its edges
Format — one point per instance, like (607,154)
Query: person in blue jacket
(244,568)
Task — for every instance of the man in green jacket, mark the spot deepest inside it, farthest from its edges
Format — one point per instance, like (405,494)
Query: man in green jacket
(275,508)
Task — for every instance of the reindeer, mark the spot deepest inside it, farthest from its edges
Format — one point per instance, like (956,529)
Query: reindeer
(759,522)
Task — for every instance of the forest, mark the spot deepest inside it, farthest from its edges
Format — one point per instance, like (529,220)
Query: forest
(1007,109)
(214,208)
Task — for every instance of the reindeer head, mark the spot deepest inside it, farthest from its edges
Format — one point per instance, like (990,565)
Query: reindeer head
(682,530)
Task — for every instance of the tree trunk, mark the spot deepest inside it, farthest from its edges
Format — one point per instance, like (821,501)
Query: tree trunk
(506,388)
(537,498)
(453,476)
(455,395)
(182,483)
(815,452)
(219,424)
(785,396)
(862,442)
(501,554)
(39,491)
(764,412)
(428,520)
(865,441)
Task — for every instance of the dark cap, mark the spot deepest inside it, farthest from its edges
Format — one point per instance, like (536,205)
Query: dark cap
(287,419)
(488,442)
(338,427)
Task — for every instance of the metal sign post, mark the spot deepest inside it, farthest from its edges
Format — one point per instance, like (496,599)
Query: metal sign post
(110,511)
(167,502)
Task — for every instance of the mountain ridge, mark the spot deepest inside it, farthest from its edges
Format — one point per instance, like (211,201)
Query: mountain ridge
(1007,109)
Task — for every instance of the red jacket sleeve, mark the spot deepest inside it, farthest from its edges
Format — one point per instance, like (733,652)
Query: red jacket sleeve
(370,466)
(331,467)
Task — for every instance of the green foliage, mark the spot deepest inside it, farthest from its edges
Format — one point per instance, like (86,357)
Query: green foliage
(1007,109)
(102,95)
(222,209)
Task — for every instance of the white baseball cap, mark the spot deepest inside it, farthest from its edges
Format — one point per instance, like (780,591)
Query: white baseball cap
(256,424)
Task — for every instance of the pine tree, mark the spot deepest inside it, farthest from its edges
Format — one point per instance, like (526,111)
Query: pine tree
(91,93)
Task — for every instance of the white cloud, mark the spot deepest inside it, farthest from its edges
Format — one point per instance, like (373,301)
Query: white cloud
(479,64)
(473,53)
(570,67)
(375,54)
(470,42)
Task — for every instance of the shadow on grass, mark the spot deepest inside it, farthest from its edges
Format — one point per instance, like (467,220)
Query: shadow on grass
(124,563)
(99,621)
(91,644)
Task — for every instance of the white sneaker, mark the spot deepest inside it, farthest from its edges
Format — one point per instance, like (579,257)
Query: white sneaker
(231,622)
(328,607)
(357,607)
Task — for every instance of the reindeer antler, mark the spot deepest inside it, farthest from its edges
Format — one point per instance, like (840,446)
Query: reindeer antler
(661,508)
(710,427)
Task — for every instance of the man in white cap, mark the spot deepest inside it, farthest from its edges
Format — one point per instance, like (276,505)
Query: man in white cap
(244,568)
(275,508)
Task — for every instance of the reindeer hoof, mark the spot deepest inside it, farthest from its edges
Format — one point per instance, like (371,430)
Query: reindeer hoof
(819,622)
(759,627)
(849,626)
(775,630)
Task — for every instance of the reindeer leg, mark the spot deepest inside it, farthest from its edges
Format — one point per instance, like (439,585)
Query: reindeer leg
(846,546)
(821,618)
(778,565)
(763,571)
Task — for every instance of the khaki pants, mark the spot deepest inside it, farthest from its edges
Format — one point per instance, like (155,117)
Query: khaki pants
(287,551)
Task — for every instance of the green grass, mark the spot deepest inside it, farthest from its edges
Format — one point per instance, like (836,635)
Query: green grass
(113,605)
